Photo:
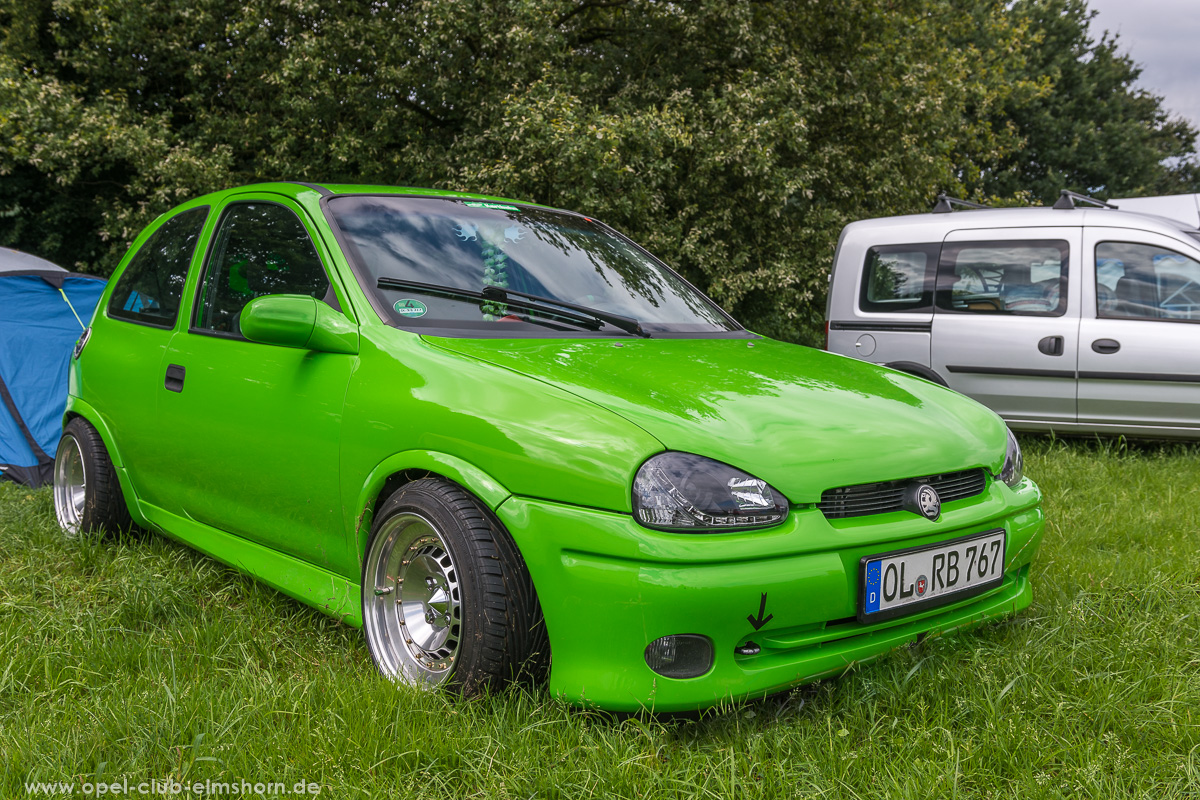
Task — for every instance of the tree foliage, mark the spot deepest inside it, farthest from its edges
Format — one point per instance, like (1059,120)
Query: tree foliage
(733,139)
(1091,130)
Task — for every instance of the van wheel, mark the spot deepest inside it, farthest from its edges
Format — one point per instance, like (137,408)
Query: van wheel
(87,494)
(446,596)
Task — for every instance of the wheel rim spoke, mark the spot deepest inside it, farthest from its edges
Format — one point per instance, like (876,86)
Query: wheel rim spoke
(414,615)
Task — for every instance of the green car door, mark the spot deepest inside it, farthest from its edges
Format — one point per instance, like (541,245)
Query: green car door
(255,428)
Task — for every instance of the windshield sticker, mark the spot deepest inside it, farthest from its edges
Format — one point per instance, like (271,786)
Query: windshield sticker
(513,234)
(500,206)
(467,232)
(410,308)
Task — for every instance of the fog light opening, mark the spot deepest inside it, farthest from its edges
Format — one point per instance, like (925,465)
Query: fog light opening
(684,655)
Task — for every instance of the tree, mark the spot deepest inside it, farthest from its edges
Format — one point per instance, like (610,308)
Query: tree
(733,139)
(1090,129)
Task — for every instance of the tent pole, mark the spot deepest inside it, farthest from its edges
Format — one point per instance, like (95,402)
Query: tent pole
(43,459)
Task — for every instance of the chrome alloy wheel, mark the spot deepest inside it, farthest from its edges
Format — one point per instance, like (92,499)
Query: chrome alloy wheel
(70,484)
(414,610)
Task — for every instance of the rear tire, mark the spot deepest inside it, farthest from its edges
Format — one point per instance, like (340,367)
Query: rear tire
(446,596)
(87,494)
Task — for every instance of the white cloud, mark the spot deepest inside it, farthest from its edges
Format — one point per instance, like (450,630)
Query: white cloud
(1163,37)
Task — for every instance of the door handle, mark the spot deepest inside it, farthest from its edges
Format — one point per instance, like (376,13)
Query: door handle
(175,375)
(1106,346)
(1051,345)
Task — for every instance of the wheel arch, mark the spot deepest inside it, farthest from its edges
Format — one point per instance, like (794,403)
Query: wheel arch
(919,370)
(405,467)
(81,408)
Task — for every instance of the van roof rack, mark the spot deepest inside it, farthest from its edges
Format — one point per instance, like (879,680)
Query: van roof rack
(1067,199)
(945,204)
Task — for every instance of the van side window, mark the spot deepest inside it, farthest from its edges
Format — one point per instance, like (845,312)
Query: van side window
(1142,281)
(1014,278)
(149,289)
(899,278)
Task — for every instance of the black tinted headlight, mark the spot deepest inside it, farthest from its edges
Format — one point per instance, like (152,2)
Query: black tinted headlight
(685,491)
(1014,465)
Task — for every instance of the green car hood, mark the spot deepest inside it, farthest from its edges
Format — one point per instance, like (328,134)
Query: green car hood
(801,419)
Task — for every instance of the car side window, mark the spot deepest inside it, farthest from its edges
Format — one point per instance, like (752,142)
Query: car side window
(1143,281)
(899,278)
(1027,278)
(260,248)
(149,290)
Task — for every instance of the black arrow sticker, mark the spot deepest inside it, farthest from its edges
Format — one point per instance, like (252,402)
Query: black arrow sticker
(762,606)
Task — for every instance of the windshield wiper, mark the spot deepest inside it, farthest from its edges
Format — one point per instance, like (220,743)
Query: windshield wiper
(590,323)
(627,324)
(536,303)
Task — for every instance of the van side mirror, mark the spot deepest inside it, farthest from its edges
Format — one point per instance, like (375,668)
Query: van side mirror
(297,320)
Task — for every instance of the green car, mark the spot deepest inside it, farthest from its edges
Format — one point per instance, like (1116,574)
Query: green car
(504,439)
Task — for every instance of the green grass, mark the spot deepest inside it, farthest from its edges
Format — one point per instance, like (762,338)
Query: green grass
(136,658)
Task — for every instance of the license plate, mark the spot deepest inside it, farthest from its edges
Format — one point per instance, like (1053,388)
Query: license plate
(905,581)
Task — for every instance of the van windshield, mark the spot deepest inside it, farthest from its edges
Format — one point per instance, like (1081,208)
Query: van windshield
(406,249)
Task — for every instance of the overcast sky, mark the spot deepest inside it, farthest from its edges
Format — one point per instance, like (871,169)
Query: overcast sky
(1163,37)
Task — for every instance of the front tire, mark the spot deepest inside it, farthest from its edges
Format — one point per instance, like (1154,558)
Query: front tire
(87,494)
(446,597)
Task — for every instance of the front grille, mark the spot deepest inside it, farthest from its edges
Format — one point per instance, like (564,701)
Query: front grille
(880,498)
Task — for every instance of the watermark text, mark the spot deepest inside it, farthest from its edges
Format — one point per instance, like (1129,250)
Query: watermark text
(170,787)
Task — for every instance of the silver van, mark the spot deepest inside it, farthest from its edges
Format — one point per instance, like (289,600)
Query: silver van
(1079,318)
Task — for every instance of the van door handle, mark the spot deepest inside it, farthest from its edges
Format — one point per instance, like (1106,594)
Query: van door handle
(1051,346)
(1106,346)
(175,375)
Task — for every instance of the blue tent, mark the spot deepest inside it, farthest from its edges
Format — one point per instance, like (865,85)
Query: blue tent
(43,310)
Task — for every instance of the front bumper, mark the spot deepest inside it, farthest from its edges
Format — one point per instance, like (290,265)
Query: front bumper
(608,587)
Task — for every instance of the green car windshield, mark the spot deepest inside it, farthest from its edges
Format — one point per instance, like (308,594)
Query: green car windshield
(441,263)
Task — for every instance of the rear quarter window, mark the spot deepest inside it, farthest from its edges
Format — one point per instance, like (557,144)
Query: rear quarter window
(149,290)
(899,278)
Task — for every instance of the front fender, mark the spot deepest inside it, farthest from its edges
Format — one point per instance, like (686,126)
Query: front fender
(465,474)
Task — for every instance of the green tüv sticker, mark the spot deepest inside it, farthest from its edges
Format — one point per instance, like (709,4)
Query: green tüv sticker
(500,206)
(410,308)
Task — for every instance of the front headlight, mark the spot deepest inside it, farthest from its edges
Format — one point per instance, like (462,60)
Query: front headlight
(1014,465)
(686,491)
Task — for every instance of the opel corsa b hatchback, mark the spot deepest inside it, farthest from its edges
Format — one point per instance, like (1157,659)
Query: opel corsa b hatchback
(491,432)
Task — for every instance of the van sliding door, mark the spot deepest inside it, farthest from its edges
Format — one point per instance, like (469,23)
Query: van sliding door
(1006,321)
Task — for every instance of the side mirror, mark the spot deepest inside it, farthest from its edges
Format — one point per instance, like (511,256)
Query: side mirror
(297,320)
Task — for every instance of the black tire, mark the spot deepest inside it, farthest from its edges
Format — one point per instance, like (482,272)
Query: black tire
(87,494)
(447,598)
